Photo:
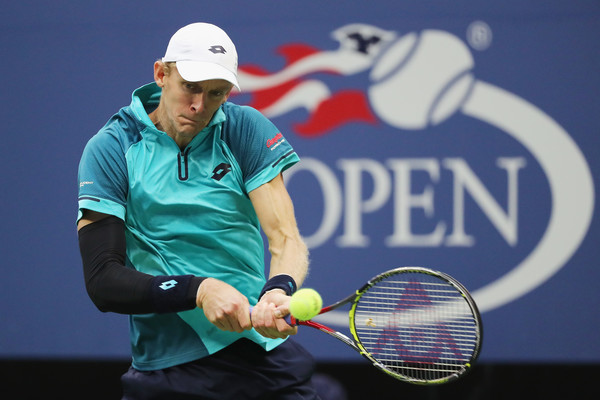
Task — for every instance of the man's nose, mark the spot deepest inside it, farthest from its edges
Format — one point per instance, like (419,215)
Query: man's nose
(198,103)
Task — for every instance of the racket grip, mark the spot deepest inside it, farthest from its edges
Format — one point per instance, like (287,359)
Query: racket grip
(288,318)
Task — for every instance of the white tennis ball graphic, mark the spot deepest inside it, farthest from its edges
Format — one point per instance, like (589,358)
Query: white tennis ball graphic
(421,79)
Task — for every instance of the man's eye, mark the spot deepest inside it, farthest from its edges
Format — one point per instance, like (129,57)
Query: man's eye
(192,88)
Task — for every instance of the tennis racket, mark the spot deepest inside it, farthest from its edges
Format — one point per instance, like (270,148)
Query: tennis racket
(418,325)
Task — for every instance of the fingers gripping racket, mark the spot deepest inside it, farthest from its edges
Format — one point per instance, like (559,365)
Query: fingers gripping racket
(418,325)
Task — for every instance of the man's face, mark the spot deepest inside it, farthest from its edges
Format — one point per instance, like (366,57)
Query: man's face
(187,107)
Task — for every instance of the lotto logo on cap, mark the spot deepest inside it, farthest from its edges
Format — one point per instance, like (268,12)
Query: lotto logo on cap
(201,52)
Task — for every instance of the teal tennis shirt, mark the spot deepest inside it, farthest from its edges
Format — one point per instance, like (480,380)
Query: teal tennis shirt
(186,212)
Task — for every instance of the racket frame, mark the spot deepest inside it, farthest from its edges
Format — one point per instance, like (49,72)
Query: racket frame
(355,341)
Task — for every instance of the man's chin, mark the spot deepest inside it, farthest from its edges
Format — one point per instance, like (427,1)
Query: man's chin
(190,129)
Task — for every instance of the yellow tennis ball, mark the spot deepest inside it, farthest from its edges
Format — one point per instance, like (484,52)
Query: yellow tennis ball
(305,304)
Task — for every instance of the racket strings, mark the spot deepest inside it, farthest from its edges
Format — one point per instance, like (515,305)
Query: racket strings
(417,326)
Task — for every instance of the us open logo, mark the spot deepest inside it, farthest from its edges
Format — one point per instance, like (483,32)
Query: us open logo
(417,81)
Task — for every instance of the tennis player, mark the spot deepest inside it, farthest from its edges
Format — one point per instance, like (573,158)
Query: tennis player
(173,191)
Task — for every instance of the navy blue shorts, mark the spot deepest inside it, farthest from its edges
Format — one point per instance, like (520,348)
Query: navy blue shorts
(241,371)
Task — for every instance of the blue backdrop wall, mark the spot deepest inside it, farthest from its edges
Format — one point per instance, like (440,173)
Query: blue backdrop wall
(458,135)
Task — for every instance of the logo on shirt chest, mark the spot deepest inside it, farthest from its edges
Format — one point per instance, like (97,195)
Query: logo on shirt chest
(220,171)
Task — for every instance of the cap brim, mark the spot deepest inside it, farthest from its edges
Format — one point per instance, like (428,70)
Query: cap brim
(196,71)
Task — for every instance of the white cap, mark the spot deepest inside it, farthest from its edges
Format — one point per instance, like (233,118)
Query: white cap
(201,52)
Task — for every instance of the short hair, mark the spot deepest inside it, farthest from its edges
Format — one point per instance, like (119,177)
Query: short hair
(167,66)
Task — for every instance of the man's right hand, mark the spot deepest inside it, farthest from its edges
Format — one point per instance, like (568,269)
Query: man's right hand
(223,305)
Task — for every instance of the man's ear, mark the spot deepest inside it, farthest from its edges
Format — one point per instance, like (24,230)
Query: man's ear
(159,73)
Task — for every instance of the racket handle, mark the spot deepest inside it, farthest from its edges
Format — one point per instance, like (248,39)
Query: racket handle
(288,318)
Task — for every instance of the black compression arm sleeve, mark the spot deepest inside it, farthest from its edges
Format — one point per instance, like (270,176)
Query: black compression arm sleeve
(114,287)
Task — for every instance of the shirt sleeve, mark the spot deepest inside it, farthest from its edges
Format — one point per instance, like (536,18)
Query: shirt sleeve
(259,146)
(103,176)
